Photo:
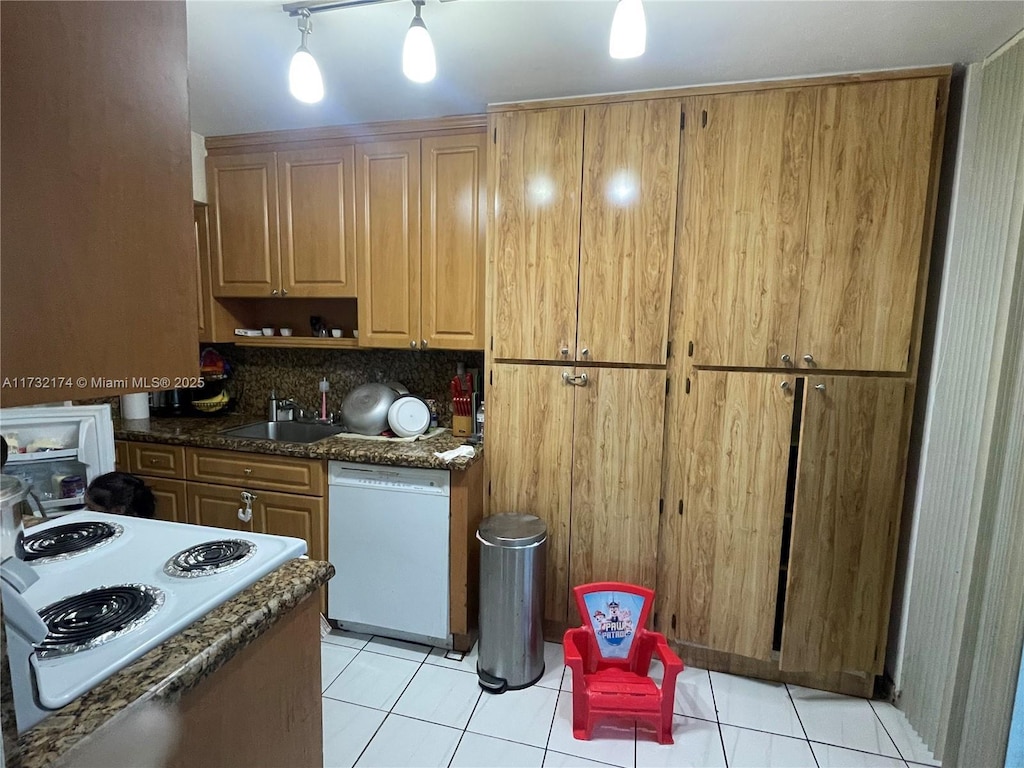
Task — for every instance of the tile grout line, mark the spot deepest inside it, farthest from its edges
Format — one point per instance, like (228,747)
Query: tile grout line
(388,714)
(465,728)
(718,720)
(800,720)
(880,722)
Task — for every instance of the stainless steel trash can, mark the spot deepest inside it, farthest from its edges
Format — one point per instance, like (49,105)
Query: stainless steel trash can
(513,550)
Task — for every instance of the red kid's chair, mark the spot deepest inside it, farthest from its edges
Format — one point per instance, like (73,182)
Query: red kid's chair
(610,656)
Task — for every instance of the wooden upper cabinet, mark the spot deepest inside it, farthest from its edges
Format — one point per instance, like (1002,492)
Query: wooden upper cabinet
(453,192)
(728,538)
(532,475)
(537,233)
(244,234)
(868,194)
(617,433)
(627,234)
(747,161)
(97,199)
(316,190)
(845,523)
(388,243)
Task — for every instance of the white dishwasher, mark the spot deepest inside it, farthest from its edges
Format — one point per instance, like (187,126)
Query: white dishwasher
(388,541)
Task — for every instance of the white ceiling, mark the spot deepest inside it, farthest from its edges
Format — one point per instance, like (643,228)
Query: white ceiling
(508,50)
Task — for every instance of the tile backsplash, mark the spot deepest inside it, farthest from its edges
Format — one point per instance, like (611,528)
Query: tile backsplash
(296,373)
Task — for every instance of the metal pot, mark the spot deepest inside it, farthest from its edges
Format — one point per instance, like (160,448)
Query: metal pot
(365,409)
(13,490)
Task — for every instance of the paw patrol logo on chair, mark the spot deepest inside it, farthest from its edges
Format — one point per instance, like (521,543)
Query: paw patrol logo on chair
(612,615)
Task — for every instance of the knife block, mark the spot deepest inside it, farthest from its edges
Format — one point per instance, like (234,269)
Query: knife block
(462,426)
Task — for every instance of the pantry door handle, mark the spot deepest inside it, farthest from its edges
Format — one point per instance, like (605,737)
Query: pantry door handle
(576,381)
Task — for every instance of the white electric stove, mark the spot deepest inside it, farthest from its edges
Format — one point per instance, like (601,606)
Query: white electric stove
(110,588)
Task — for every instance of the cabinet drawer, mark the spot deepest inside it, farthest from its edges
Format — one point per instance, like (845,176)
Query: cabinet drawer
(275,473)
(121,456)
(157,460)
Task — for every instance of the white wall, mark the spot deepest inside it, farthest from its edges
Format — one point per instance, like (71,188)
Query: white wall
(198,167)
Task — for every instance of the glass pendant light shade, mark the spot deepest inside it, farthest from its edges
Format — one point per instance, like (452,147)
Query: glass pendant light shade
(629,30)
(304,77)
(418,62)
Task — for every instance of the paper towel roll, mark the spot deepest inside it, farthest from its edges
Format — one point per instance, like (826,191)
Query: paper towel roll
(135,406)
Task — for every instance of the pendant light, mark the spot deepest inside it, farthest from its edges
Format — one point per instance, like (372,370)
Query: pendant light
(629,30)
(418,62)
(304,79)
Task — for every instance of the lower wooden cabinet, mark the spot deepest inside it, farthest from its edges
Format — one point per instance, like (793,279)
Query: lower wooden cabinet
(580,448)
(279,514)
(171,499)
(783,498)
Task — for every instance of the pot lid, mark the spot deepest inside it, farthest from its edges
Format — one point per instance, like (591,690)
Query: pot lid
(512,529)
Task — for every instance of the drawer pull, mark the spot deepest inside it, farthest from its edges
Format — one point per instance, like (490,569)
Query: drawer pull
(248,470)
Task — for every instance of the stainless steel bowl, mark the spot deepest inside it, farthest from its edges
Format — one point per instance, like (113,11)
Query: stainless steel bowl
(365,409)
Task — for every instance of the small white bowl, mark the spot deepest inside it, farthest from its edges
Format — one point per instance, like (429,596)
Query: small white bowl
(336,333)
(355,334)
(286,331)
(268,331)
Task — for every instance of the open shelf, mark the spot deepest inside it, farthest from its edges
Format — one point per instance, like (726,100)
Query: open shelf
(305,342)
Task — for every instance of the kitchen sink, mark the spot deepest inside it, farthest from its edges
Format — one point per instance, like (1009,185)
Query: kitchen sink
(285,431)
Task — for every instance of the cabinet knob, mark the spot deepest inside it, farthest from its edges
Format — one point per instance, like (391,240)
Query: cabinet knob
(153,460)
(809,359)
(284,291)
(247,470)
(565,351)
(820,387)
(786,358)
(784,385)
(274,292)
(584,351)
(412,344)
(423,344)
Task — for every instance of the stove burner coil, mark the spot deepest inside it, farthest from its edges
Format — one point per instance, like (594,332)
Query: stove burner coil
(91,618)
(209,557)
(64,541)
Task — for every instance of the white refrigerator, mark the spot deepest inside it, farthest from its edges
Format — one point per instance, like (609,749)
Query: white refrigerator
(59,450)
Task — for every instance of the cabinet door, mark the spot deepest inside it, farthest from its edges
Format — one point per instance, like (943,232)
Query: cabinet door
(869,187)
(454,192)
(529,456)
(627,235)
(537,233)
(846,517)
(243,211)
(200,212)
(728,525)
(316,189)
(746,168)
(171,499)
(97,275)
(388,243)
(616,480)
(302,517)
(121,456)
(217,506)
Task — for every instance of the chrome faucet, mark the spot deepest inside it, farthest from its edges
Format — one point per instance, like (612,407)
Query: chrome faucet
(277,406)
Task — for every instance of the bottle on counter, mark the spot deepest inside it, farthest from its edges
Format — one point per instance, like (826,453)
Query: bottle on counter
(480,420)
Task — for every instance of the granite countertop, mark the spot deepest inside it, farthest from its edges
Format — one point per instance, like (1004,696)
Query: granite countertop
(205,433)
(172,669)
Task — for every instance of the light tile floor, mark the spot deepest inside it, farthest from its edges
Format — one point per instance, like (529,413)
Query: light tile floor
(391,703)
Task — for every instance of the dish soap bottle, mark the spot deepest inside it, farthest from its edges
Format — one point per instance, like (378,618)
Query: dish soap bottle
(480,420)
